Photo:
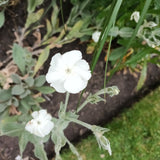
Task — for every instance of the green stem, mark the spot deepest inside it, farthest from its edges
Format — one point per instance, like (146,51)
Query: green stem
(66,101)
(61,7)
(82,106)
(81,123)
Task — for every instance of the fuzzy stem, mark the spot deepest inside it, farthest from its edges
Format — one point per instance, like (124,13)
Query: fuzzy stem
(66,102)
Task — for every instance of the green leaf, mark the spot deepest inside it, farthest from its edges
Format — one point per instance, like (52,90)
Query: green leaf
(32,4)
(126,32)
(40,99)
(2,18)
(49,29)
(17,90)
(3,106)
(23,140)
(25,93)
(33,17)
(29,81)
(11,128)
(16,78)
(24,103)
(143,77)
(45,89)
(54,17)
(19,57)
(41,59)
(5,95)
(39,81)
(40,152)
(116,53)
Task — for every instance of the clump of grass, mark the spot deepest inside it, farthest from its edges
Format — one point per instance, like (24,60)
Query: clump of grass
(134,135)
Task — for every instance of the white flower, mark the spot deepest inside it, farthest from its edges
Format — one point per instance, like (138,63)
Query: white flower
(135,15)
(68,72)
(18,157)
(41,124)
(95,36)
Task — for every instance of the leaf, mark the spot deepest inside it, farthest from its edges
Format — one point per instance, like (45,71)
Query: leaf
(11,128)
(40,152)
(3,106)
(17,90)
(49,29)
(16,78)
(32,4)
(126,32)
(5,95)
(54,17)
(41,59)
(23,140)
(33,17)
(25,93)
(24,103)
(143,77)
(45,89)
(39,99)
(2,18)
(116,53)
(29,81)
(39,81)
(19,57)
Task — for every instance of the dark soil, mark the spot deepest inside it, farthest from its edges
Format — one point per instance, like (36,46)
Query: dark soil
(93,114)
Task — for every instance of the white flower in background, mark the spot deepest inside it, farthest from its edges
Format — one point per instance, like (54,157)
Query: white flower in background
(95,36)
(68,72)
(41,124)
(18,158)
(135,16)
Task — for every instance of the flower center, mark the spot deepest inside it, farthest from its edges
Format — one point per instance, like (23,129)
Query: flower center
(68,71)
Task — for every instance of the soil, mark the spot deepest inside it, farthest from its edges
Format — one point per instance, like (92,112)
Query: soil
(93,114)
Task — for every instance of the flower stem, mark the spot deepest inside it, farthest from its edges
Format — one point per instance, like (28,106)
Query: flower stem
(66,101)
(81,123)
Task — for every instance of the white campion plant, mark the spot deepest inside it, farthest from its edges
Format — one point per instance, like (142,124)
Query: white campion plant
(96,36)
(135,16)
(41,124)
(67,73)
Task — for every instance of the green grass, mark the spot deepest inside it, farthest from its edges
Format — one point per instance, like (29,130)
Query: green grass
(134,134)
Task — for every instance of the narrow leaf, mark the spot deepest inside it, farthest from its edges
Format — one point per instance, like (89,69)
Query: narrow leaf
(143,77)
(45,89)
(19,57)
(40,152)
(41,59)
(2,18)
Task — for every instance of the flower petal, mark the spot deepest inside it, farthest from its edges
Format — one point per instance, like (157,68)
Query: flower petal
(58,86)
(74,84)
(71,57)
(55,76)
(82,69)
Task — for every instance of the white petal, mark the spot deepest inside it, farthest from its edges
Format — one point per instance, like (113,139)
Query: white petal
(55,76)
(57,57)
(58,86)
(71,57)
(96,36)
(82,69)
(74,84)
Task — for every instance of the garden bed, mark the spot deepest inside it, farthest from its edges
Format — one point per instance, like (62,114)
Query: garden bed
(98,114)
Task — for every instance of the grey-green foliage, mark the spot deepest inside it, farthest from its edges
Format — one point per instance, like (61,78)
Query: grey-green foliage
(32,4)
(2,18)
(21,93)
